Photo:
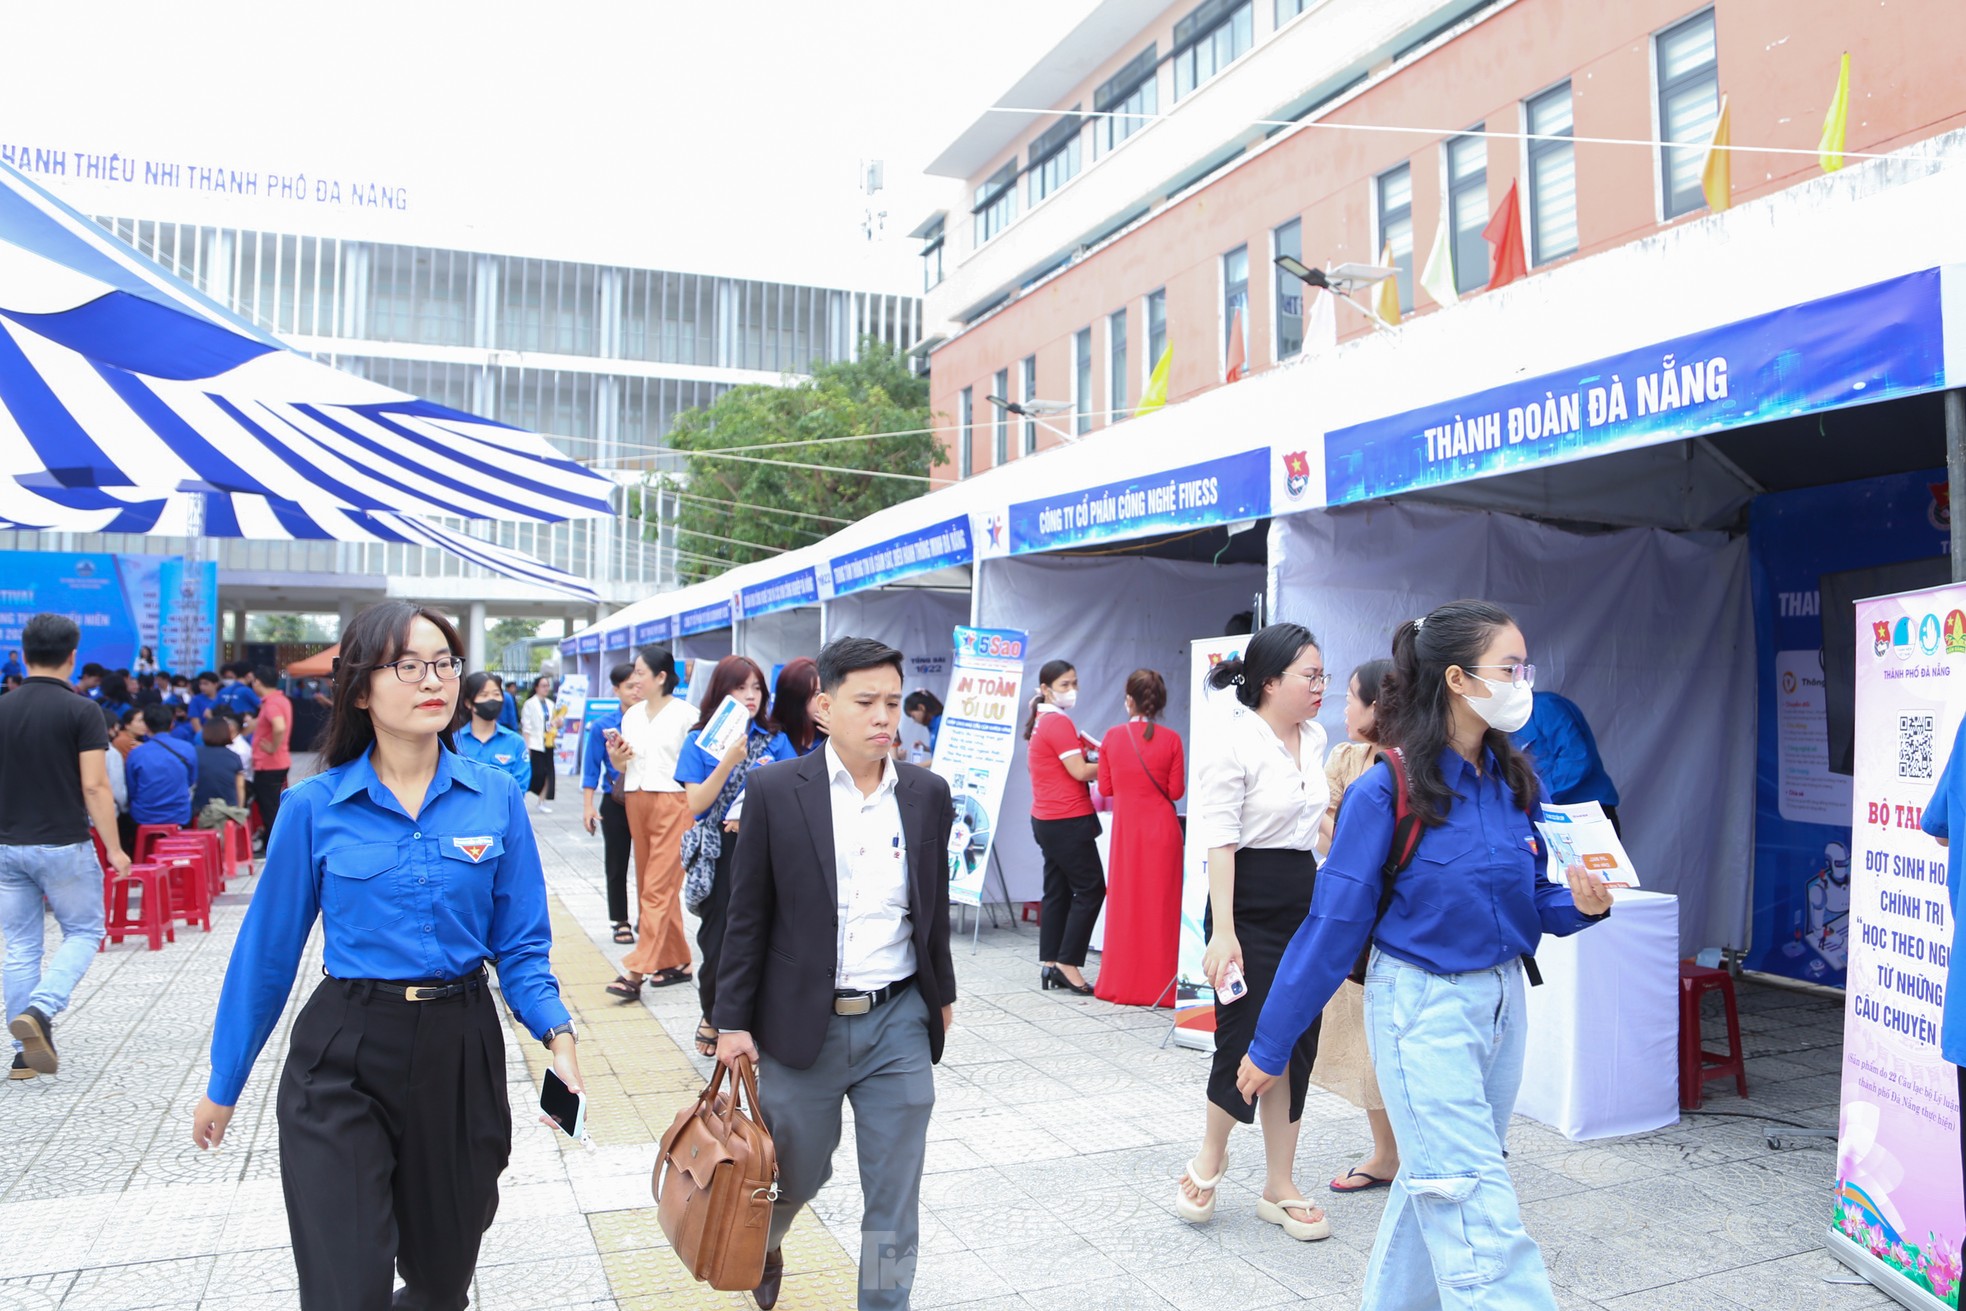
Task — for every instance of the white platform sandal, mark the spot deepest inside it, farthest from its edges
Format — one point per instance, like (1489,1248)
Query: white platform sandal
(1200,1212)
(1304,1231)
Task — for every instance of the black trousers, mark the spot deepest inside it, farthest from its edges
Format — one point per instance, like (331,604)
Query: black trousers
(267,785)
(1074,887)
(394,1128)
(712,916)
(1272,897)
(615,845)
(542,775)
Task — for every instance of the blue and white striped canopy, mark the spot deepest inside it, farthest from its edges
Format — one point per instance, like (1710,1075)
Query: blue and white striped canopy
(124,391)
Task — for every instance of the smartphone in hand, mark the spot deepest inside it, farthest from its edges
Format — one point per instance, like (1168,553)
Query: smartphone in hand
(564,1106)
(1234,986)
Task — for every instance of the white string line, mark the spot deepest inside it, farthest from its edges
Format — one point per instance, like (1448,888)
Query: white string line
(1295,125)
(761,509)
(734,541)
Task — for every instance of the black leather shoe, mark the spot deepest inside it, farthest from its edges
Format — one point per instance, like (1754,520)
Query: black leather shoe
(1053,977)
(766,1293)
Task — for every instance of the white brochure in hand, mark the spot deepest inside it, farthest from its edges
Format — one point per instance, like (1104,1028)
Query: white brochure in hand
(728,724)
(1582,835)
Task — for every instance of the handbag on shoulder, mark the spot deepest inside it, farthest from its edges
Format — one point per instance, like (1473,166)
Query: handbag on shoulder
(715,1181)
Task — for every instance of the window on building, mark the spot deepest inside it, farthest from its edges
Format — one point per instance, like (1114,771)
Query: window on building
(1467,209)
(1082,379)
(965,434)
(1212,36)
(1055,156)
(1028,392)
(1235,295)
(932,257)
(1689,100)
(1396,227)
(996,203)
(1116,365)
(1156,330)
(1552,177)
(1000,450)
(1289,9)
(1134,90)
(1288,240)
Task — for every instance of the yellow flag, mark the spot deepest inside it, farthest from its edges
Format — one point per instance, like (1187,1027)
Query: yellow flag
(1156,394)
(1717,179)
(1830,149)
(1385,300)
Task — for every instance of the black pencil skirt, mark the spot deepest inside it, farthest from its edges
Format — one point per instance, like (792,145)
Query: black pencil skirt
(1273,895)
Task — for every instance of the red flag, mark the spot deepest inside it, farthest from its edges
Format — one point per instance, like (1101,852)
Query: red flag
(1236,355)
(1504,233)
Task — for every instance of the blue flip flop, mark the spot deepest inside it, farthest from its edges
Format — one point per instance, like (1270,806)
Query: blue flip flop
(1371,1181)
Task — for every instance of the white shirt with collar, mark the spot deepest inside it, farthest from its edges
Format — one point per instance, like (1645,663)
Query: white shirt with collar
(870,855)
(1249,792)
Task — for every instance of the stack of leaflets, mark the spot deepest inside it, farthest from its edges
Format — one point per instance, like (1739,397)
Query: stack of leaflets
(727,726)
(1582,835)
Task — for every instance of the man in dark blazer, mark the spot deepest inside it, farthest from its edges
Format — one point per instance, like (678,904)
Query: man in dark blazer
(836,977)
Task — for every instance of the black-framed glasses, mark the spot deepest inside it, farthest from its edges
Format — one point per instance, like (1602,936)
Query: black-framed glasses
(411,671)
(1522,675)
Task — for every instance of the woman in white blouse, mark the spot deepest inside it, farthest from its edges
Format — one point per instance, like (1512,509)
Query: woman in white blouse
(1258,796)
(645,750)
(536,727)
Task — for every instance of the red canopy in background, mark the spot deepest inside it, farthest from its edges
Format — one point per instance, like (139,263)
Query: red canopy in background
(318,665)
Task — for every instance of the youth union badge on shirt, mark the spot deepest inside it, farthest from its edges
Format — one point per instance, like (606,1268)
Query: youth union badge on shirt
(475,848)
(502,757)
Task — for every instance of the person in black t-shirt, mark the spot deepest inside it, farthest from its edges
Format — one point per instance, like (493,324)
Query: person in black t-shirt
(53,785)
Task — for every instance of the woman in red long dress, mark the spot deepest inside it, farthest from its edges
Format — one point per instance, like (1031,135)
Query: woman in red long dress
(1141,767)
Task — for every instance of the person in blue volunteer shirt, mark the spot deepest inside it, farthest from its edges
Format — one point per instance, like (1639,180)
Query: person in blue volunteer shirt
(13,668)
(1444,985)
(421,866)
(160,772)
(610,815)
(1559,742)
(482,739)
(204,698)
(509,716)
(235,692)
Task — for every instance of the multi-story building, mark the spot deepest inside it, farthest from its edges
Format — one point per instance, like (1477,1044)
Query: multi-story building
(1132,191)
(599,359)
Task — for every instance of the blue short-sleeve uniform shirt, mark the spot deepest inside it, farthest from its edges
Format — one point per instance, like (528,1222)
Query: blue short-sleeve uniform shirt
(504,750)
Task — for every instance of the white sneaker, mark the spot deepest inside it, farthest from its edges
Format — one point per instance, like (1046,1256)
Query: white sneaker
(545,808)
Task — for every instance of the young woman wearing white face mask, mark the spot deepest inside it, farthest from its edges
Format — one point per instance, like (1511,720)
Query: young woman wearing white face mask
(1444,987)
(1066,829)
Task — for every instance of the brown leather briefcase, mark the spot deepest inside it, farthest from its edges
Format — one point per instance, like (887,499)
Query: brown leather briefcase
(715,1182)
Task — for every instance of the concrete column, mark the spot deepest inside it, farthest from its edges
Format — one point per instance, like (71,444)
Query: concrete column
(475,655)
(238,632)
(345,610)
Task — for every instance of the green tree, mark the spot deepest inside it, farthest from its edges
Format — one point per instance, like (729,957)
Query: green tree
(733,511)
(290,628)
(507,631)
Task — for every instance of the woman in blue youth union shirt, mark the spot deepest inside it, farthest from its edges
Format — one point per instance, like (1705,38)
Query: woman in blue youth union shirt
(421,866)
(1443,991)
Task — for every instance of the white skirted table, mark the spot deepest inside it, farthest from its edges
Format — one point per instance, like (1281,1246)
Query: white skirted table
(1603,1054)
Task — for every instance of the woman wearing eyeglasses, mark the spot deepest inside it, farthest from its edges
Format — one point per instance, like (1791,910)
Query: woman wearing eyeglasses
(1444,986)
(1259,793)
(421,866)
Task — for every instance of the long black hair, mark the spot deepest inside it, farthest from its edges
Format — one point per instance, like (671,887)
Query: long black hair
(1266,656)
(474,684)
(1053,671)
(372,639)
(1371,679)
(661,661)
(1415,710)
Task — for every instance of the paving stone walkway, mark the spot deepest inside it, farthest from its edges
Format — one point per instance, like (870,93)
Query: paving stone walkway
(1060,1125)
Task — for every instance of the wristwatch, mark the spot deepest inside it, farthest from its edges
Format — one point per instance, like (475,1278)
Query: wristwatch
(546,1039)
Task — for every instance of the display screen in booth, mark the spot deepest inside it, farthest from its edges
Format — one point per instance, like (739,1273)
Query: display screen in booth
(1233,488)
(706,619)
(1860,346)
(937,546)
(801,588)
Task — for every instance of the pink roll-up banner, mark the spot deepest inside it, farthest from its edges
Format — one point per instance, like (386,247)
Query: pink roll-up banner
(1898,1214)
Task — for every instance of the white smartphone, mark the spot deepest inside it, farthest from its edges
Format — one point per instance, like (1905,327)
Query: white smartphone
(564,1106)
(1234,986)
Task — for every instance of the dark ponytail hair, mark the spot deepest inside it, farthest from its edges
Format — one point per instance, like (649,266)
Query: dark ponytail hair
(1266,656)
(660,661)
(372,639)
(1149,692)
(1371,679)
(1415,710)
(1053,671)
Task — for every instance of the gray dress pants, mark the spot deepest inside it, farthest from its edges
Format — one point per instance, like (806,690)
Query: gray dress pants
(878,1061)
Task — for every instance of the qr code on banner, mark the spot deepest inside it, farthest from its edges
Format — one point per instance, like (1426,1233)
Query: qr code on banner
(1915,746)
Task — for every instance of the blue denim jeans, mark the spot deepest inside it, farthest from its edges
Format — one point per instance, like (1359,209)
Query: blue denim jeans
(70,878)
(1448,1052)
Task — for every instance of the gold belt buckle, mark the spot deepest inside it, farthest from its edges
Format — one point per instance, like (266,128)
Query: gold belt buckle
(425,994)
(860,1005)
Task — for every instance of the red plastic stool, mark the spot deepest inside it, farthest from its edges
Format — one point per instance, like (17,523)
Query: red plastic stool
(238,850)
(189,869)
(1697,1065)
(209,841)
(153,919)
(149,833)
(1030,913)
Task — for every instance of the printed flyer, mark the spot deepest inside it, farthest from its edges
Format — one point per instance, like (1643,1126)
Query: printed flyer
(979,737)
(1898,1212)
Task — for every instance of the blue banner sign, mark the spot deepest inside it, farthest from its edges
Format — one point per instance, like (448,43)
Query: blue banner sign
(705,619)
(567,647)
(801,588)
(935,547)
(1866,345)
(121,603)
(652,630)
(616,640)
(590,643)
(1198,495)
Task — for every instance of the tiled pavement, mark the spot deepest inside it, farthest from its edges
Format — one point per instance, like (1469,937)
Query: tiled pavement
(1059,1128)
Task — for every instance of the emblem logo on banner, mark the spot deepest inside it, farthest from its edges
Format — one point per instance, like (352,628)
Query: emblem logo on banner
(1955,632)
(1296,473)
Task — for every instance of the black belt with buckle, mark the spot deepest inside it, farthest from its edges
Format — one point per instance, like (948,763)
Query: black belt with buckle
(418,991)
(859,1003)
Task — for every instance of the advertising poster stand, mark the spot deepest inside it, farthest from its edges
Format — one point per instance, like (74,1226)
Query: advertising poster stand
(1897,1212)
(1194,1000)
(979,738)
